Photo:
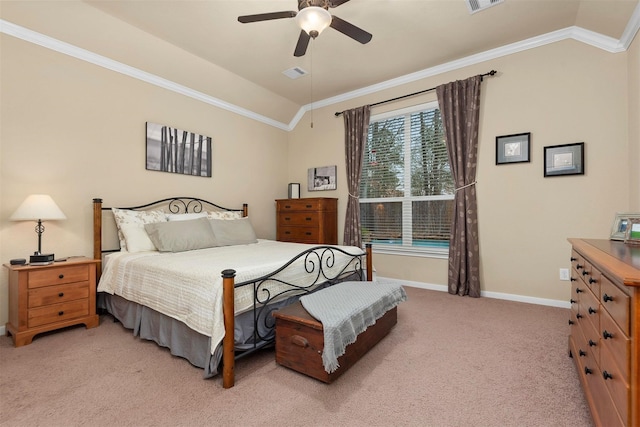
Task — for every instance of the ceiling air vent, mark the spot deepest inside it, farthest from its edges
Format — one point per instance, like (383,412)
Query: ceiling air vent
(478,5)
(294,73)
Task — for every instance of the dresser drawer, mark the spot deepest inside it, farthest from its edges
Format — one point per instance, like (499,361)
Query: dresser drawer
(57,294)
(589,307)
(306,205)
(616,382)
(616,302)
(298,218)
(58,276)
(57,312)
(616,342)
(298,234)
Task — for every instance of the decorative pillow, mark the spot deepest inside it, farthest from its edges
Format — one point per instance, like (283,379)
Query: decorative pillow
(237,232)
(179,236)
(224,215)
(140,218)
(137,238)
(186,216)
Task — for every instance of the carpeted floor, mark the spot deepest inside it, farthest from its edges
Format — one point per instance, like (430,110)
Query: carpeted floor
(450,361)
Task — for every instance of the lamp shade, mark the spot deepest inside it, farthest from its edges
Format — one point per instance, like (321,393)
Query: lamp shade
(38,207)
(313,19)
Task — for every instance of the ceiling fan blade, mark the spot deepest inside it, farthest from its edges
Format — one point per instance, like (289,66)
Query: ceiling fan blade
(266,16)
(303,42)
(350,30)
(336,3)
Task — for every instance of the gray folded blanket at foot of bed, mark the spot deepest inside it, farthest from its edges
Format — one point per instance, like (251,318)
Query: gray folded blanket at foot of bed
(348,309)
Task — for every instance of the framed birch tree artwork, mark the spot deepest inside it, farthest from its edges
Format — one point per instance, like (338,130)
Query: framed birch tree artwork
(173,150)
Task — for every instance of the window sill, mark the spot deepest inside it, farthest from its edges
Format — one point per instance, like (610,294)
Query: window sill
(424,252)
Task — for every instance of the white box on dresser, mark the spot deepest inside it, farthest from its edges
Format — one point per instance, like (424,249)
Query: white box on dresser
(605,326)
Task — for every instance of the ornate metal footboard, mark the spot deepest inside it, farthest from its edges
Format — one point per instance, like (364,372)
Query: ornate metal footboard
(318,262)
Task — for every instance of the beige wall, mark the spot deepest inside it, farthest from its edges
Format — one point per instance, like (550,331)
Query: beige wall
(77,131)
(634,125)
(562,93)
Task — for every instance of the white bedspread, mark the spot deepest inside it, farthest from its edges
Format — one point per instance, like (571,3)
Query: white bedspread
(187,286)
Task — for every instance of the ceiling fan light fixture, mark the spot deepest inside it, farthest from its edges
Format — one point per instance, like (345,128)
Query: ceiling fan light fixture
(313,20)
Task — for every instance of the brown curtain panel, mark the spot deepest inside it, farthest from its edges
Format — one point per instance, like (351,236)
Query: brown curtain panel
(460,108)
(356,128)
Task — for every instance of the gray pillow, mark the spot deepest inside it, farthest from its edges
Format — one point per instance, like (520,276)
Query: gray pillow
(233,231)
(179,236)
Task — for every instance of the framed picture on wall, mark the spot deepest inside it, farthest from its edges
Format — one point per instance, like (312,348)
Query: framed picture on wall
(513,148)
(321,178)
(567,159)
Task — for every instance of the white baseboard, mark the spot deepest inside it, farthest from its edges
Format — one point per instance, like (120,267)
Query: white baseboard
(496,295)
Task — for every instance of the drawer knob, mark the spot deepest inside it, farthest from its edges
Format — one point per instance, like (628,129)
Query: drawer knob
(582,353)
(606,334)
(299,341)
(578,266)
(579,316)
(60,313)
(606,375)
(592,310)
(308,233)
(570,322)
(587,371)
(573,301)
(592,343)
(585,273)
(61,276)
(286,218)
(61,294)
(573,259)
(578,290)
(607,298)
(309,206)
(592,280)
(573,279)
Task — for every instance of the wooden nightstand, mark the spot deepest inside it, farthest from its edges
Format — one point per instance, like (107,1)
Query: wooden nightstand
(45,298)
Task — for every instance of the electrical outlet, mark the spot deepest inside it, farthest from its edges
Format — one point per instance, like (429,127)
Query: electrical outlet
(564,274)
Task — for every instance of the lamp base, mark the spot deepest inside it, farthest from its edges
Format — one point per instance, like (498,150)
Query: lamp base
(42,259)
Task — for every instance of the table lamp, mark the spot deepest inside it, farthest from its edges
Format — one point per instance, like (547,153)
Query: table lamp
(38,207)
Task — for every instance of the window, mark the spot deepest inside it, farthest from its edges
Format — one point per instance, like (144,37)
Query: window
(406,189)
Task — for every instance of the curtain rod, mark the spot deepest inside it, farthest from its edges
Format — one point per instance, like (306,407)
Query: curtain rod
(490,73)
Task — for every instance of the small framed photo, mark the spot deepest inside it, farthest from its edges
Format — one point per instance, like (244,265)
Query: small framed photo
(632,235)
(513,148)
(567,159)
(322,178)
(620,224)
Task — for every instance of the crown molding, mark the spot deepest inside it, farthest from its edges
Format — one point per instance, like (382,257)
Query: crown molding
(597,40)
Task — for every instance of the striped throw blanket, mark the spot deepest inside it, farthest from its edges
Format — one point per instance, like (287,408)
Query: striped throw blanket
(348,309)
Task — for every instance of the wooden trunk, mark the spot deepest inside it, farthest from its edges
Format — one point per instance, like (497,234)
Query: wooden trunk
(300,340)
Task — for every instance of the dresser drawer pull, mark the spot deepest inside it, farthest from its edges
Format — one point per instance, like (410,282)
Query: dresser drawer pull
(61,276)
(309,206)
(579,316)
(573,301)
(299,341)
(308,219)
(287,206)
(607,335)
(571,322)
(592,344)
(587,371)
(582,353)
(60,313)
(607,298)
(592,310)
(592,280)
(578,266)
(573,279)
(573,259)
(287,232)
(61,294)
(606,375)
(578,290)
(585,273)
(308,233)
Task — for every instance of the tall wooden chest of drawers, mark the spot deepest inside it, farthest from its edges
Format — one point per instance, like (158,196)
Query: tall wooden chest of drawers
(45,298)
(310,220)
(605,328)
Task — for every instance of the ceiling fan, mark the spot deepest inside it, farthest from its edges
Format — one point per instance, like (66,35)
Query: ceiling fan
(313,17)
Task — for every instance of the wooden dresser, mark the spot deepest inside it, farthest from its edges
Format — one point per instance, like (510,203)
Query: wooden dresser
(45,298)
(311,220)
(605,328)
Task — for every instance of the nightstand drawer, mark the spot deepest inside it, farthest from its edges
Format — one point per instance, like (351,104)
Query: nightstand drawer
(58,276)
(57,312)
(57,294)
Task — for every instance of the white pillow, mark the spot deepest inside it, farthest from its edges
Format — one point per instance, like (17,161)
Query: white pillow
(137,238)
(186,216)
(140,218)
(224,215)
